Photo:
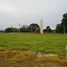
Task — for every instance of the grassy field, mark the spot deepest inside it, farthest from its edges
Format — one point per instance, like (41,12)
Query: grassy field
(47,43)
(20,50)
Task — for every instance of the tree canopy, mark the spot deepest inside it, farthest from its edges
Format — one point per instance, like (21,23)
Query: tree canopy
(34,27)
(62,27)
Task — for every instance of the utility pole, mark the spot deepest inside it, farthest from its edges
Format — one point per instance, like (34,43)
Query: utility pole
(41,26)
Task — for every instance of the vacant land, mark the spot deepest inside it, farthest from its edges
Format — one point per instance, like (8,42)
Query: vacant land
(16,58)
(47,43)
(21,49)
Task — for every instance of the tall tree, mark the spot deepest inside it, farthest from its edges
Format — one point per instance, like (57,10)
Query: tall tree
(34,27)
(64,23)
(62,27)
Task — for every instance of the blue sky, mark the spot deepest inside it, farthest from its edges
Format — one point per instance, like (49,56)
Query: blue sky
(25,12)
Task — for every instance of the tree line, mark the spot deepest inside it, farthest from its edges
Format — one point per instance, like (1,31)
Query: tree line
(25,28)
(60,28)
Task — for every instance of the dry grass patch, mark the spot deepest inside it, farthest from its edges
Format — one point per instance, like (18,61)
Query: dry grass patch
(17,58)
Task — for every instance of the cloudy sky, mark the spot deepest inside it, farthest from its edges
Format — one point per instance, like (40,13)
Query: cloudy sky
(25,12)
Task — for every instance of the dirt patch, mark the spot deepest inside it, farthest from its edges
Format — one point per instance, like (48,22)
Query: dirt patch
(16,58)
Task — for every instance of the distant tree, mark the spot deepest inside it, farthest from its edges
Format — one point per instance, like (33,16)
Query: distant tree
(24,28)
(11,29)
(15,30)
(64,23)
(59,28)
(8,30)
(1,30)
(64,20)
(34,27)
(62,27)
(48,29)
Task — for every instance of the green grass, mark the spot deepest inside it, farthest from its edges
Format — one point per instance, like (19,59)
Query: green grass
(47,43)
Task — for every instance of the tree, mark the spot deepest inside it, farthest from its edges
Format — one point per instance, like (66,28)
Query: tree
(11,29)
(24,28)
(48,29)
(62,27)
(34,27)
(15,30)
(59,28)
(8,30)
(1,30)
(64,23)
